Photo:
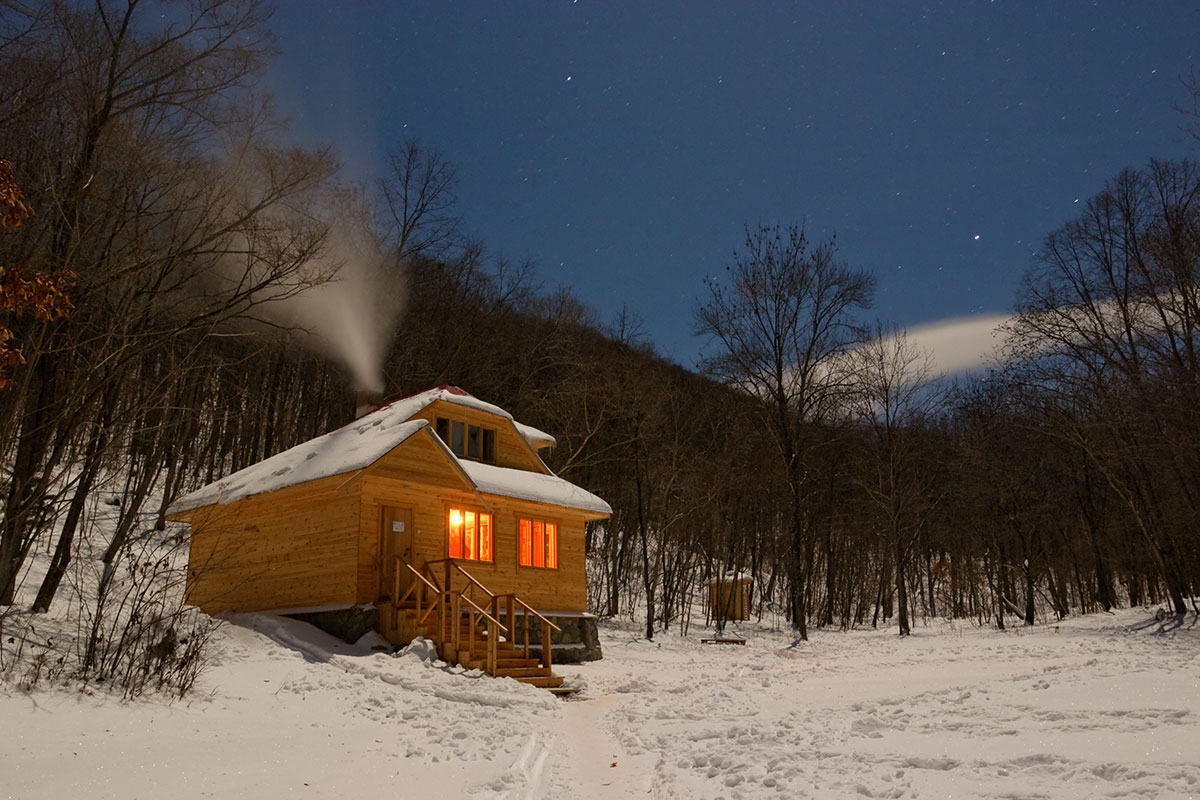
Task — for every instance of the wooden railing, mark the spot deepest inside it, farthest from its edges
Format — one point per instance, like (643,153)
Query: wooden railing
(547,625)
(474,614)
(488,612)
(417,590)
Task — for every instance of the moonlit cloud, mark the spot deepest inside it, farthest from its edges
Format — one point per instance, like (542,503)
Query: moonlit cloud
(959,344)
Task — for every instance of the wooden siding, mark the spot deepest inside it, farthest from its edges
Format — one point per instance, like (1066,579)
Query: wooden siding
(420,459)
(562,589)
(294,548)
(511,448)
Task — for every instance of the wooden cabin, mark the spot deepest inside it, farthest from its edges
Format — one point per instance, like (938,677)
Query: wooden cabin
(435,510)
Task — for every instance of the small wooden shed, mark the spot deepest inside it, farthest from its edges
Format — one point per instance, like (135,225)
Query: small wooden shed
(435,510)
(729,598)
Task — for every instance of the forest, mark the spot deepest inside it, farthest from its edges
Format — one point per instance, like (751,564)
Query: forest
(180,282)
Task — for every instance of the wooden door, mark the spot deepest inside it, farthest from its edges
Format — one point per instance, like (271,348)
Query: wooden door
(396,539)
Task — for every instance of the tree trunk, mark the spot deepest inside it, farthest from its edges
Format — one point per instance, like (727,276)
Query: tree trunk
(901,587)
(62,551)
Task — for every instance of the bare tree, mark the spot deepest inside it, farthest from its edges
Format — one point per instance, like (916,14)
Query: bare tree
(419,196)
(781,323)
(161,198)
(1109,331)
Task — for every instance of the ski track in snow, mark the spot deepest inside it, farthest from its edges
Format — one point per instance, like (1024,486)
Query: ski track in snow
(1100,706)
(1079,710)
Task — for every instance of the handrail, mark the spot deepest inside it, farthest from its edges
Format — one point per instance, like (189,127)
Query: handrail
(450,596)
(471,578)
(432,579)
(530,609)
(485,614)
(432,587)
(465,574)
(414,571)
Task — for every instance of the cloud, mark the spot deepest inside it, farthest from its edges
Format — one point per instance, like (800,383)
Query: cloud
(960,344)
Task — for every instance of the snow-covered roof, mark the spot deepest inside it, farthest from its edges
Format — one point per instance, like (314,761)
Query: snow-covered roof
(537,438)
(534,486)
(364,441)
(346,449)
(452,394)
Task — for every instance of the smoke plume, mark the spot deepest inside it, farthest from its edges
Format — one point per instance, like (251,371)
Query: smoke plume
(351,316)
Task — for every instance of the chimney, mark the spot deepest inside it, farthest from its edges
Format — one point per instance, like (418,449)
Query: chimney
(366,401)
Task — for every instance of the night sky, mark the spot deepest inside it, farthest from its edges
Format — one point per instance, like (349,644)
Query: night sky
(624,146)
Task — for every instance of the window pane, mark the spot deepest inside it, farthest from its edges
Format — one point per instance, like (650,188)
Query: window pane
(443,430)
(469,550)
(458,432)
(539,544)
(489,445)
(456,523)
(526,544)
(485,537)
(472,441)
(551,545)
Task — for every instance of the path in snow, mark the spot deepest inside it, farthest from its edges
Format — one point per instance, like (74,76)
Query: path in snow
(1084,709)
(1103,706)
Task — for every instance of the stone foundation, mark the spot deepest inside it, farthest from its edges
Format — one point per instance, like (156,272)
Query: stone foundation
(577,642)
(347,624)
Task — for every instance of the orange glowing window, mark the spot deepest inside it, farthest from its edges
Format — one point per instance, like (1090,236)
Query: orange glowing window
(469,535)
(526,543)
(485,537)
(539,544)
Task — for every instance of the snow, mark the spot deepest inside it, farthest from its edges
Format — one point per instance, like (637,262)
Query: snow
(535,486)
(346,449)
(536,438)
(1106,705)
(363,442)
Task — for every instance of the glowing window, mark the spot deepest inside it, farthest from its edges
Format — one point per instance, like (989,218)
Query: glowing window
(469,535)
(538,544)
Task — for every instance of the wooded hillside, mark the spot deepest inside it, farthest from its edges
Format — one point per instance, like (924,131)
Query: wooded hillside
(816,454)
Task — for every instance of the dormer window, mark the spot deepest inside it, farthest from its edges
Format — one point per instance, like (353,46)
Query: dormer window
(467,441)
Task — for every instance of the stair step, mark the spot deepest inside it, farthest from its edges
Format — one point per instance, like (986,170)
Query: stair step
(479,661)
(509,664)
(546,682)
(516,663)
(523,672)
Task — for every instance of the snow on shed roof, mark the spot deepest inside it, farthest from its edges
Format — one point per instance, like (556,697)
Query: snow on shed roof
(534,486)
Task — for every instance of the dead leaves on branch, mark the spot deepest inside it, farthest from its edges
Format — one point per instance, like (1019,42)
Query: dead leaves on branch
(13,208)
(41,295)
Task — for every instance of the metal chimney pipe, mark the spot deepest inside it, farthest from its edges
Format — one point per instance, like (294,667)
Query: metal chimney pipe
(366,401)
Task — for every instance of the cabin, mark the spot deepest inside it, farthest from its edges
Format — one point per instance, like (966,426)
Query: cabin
(433,513)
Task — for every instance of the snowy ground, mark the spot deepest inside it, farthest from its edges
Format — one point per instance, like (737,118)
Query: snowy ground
(1104,706)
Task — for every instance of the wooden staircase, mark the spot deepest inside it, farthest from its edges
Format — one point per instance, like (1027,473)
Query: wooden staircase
(464,623)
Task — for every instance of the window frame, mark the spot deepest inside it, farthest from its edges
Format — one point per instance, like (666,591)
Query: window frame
(479,514)
(551,545)
(466,439)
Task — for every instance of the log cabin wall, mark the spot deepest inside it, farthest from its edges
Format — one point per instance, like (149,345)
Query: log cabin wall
(293,548)
(561,589)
